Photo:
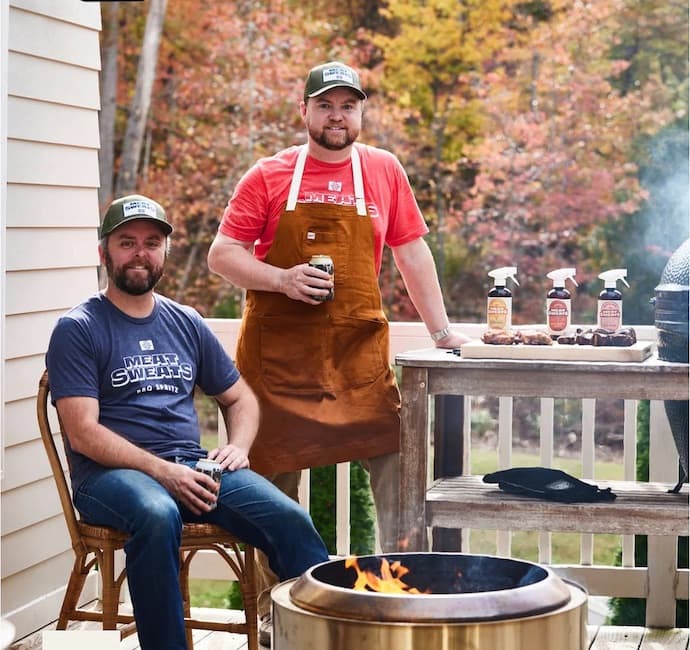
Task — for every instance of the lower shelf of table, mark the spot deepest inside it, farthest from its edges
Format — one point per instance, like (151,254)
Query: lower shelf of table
(640,508)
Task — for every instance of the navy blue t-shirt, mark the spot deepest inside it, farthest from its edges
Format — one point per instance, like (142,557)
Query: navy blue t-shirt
(142,371)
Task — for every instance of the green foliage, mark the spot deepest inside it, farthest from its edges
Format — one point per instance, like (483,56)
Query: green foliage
(235,597)
(323,508)
(228,308)
(642,466)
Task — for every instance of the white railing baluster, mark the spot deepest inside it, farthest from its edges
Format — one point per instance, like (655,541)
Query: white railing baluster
(467,436)
(545,460)
(505,456)
(588,417)
(662,551)
(342,504)
(304,491)
(629,471)
(466,459)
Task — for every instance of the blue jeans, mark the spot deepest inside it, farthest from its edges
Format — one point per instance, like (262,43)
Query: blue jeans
(249,507)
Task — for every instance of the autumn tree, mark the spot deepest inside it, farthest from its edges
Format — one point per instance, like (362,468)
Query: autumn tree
(228,92)
(141,99)
(653,37)
(106,123)
(430,70)
(522,124)
(558,161)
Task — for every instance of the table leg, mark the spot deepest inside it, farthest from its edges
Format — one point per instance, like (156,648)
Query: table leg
(414,445)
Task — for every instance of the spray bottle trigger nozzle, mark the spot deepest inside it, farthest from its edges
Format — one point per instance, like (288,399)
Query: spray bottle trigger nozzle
(611,277)
(500,275)
(559,276)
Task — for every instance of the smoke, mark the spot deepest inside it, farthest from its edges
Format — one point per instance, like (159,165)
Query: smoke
(666,177)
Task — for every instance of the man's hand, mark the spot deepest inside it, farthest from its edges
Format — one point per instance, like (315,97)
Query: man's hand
(303,282)
(230,457)
(453,340)
(193,489)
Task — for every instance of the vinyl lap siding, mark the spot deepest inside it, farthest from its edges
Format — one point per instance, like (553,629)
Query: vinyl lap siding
(51,102)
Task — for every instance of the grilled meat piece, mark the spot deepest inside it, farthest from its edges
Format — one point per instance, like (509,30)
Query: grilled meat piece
(499,337)
(534,337)
(584,337)
(624,337)
(566,339)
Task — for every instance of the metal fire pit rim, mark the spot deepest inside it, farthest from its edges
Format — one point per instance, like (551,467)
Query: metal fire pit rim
(532,599)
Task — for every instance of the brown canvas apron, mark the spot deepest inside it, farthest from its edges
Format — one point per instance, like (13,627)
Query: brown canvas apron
(321,372)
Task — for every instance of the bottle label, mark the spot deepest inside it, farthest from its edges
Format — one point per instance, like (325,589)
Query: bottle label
(557,315)
(498,313)
(610,314)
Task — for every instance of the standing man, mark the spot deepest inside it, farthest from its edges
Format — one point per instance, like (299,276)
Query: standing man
(123,366)
(320,367)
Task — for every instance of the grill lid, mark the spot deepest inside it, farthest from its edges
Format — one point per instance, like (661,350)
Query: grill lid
(671,306)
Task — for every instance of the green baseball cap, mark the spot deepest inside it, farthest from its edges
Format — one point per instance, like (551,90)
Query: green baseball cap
(131,207)
(332,75)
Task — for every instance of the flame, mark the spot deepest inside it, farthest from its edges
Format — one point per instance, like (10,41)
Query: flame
(389,582)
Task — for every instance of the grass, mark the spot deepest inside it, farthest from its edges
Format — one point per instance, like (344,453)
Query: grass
(210,593)
(565,546)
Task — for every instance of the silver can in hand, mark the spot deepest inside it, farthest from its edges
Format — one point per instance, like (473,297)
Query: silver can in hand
(325,263)
(210,468)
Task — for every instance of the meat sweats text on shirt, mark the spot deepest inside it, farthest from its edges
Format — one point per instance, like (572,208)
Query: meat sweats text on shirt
(147,367)
(336,199)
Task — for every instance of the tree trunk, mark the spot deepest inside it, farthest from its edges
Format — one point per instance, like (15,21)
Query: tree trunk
(139,108)
(106,154)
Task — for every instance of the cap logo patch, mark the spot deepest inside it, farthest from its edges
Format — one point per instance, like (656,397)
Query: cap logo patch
(132,208)
(338,74)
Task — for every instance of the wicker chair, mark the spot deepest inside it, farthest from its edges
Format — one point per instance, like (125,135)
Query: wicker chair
(96,546)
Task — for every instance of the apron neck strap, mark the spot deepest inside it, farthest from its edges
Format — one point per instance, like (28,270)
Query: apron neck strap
(356,179)
(358,183)
(296,179)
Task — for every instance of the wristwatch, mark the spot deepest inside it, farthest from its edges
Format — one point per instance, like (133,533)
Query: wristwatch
(440,334)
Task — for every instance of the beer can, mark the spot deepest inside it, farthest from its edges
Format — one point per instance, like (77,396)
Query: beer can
(325,263)
(210,468)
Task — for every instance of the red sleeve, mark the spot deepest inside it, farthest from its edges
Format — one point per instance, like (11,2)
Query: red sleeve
(246,214)
(387,186)
(406,222)
(254,209)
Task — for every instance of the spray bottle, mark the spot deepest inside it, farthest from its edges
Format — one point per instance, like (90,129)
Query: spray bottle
(558,302)
(499,308)
(610,303)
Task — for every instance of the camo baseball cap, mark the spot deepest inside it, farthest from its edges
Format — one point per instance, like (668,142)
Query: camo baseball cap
(131,207)
(332,75)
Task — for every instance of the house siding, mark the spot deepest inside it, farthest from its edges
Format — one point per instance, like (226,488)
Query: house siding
(49,177)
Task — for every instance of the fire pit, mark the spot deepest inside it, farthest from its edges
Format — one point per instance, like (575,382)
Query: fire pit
(452,601)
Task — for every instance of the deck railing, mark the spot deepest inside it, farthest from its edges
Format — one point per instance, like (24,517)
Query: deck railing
(622,580)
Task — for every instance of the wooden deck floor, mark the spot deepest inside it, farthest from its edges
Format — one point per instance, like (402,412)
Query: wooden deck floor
(600,638)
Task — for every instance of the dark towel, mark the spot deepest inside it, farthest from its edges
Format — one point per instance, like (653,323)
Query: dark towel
(546,483)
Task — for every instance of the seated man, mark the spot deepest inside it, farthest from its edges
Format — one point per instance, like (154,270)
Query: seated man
(123,366)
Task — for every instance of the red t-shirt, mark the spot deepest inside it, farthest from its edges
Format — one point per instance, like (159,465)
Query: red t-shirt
(259,198)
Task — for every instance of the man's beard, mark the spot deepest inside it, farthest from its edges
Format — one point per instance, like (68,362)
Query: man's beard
(134,286)
(333,141)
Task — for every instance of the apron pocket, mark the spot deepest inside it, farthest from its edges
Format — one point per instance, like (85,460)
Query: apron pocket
(360,351)
(305,357)
(292,355)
